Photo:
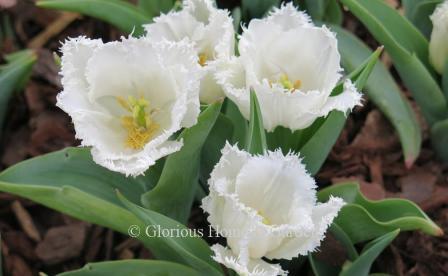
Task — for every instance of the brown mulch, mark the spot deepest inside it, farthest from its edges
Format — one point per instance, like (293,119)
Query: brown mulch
(35,238)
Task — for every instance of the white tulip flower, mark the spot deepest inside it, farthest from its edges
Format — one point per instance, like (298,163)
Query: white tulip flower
(127,98)
(265,206)
(438,44)
(209,29)
(292,65)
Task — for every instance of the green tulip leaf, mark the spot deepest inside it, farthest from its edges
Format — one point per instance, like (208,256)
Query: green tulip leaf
(422,13)
(12,77)
(188,248)
(409,7)
(119,13)
(132,268)
(316,150)
(256,136)
(363,219)
(324,10)
(408,49)
(70,182)
(445,79)
(237,16)
(174,193)
(361,266)
(418,13)
(344,239)
(221,132)
(321,268)
(257,8)
(387,25)
(239,123)
(326,131)
(383,91)
(439,139)
(154,8)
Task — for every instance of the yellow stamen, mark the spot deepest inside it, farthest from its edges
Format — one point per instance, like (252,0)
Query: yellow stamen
(289,85)
(140,128)
(123,103)
(203,59)
(297,84)
(264,220)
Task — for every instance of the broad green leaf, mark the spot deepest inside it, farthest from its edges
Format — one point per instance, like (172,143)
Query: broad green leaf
(12,76)
(221,132)
(334,13)
(387,25)
(284,139)
(319,267)
(119,13)
(445,80)
(421,13)
(257,8)
(361,266)
(439,139)
(409,51)
(316,8)
(154,8)
(294,141)
(409,7)
(317,148)
(363,219)
(383,91)
(256,136)
(238,121)
(344,239)
(132,268)
(174,193)
(237,16)
(189,247)
(324,10)
(322,269)
(70,182)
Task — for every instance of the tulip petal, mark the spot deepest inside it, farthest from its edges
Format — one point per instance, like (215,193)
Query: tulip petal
(250,267)
(211,32)
(343,102)
(95,76)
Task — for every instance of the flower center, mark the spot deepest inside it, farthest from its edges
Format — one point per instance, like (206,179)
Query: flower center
(288,84)
(138,124)
(264,220)
(203,58)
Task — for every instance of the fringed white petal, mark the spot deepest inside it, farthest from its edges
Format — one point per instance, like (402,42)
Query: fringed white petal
(265,205)
(323,215)
(286,45)
(211,32)
(166,74)
(248,267)
(75,54)
(343,102)
(289,17)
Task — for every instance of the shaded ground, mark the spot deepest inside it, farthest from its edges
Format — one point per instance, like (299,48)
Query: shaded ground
(35,238)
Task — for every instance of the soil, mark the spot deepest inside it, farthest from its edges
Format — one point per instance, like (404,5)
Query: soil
(35,238)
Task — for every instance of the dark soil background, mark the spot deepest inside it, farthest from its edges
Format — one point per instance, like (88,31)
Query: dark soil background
(35,238)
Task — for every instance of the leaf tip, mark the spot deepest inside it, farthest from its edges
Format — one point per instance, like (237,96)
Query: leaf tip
(409,161)
(439,231)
